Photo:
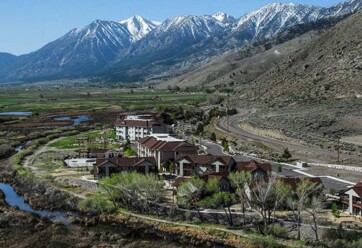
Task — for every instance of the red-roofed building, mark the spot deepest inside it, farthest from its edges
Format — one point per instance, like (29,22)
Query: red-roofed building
(103,153)
(107,167)
(189,164)
(354,201)
(163,148)
(258,170)
(135,127)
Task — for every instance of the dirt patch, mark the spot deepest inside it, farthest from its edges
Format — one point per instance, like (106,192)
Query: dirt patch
(356,140)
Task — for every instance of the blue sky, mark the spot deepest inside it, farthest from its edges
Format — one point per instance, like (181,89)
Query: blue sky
(27,25)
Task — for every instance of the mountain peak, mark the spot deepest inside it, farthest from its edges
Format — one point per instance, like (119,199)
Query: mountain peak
(138,26)
(222,17)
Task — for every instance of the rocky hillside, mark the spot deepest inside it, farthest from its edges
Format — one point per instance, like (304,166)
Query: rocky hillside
(251,61)
(315,94)
(328,68)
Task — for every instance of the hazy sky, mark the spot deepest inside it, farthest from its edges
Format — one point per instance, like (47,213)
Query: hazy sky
(27,25)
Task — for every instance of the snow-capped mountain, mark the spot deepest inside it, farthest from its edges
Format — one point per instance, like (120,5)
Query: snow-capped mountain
(223,18)
(139,27)
(272,18)
(82,50)
(177,33)
(106,46)
(341,9)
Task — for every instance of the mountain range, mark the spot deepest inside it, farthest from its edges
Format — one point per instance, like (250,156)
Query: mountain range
(137,49)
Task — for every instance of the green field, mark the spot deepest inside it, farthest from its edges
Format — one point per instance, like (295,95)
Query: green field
(75,142)
(40,99)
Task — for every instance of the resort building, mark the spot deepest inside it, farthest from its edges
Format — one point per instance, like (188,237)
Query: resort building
(137,126)
(107,167)
(257,170)
(104,153)
(191,164)
(163,148)
(354,200)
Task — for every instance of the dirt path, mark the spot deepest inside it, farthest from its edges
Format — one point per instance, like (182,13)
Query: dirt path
(29,160)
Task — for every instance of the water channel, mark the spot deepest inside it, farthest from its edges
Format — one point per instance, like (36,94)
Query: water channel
(15,200)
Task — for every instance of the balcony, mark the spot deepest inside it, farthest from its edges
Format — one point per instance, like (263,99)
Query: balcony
(355,204)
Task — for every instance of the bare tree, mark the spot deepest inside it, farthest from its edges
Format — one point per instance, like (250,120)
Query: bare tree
(262,193)
(281,192)
(314,207)
(298,201)
(189,193)
(241,181)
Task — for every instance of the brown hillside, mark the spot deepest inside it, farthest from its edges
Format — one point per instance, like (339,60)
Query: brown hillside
(316,93)
(328,68)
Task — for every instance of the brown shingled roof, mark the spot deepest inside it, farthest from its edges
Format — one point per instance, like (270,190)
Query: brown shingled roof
(358,189)
(125,161)
(216,175)
(252,166)
(159,145)
(137,123)
(205,159)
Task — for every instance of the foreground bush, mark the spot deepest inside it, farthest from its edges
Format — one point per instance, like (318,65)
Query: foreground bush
(97,203)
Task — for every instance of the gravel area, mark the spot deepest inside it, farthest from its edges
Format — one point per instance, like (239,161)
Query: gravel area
(342,174)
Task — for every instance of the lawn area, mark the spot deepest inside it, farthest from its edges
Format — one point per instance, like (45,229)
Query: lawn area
(84,140)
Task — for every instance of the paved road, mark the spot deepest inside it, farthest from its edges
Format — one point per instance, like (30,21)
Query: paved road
(231,125)
(287,171)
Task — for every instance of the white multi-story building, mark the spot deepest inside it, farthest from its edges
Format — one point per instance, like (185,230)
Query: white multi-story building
(135,127)
(354,200)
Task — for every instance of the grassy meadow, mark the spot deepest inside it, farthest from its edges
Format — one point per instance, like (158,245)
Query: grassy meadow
(43,99)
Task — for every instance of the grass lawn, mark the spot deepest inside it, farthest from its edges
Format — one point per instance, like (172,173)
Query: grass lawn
(72,142)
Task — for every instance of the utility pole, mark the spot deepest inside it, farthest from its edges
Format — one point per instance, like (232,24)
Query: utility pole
(338,152)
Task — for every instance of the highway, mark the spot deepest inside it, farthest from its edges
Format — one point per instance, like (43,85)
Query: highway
(287,170)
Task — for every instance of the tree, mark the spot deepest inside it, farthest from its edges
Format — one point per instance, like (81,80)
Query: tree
(199,129)
(132,189)
(241,181)
(213,137)
(189,193)
(335,211)
(314,207)
(5,150)
(261,199)
(220,200)
(97,203)
(212,186)
(225,144)
(281,192)
(299,200)
(286,154)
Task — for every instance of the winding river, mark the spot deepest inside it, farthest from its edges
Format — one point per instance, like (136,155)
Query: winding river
(15,200)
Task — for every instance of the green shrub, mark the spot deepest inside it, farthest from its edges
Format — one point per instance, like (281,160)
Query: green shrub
(98,203)
(335,210)
(277,230)
(266,242)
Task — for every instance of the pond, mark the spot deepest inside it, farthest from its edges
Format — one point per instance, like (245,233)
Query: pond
(15,200)
(76,121)
(16,113)
(19,148)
